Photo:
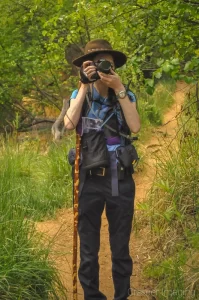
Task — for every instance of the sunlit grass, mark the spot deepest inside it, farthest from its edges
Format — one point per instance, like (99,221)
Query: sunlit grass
(152,108)
(33,185)
(25,269)
(38,182)
(171,216)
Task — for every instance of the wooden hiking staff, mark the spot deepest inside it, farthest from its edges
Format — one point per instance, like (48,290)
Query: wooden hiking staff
(57,133)
(75,211)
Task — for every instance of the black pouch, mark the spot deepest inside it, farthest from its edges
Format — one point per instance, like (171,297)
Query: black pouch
(71,156)
(127,155)
(94,150)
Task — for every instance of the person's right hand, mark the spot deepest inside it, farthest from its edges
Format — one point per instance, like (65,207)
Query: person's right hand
(89,69)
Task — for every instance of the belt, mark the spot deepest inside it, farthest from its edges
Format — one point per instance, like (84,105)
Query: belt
(100,171)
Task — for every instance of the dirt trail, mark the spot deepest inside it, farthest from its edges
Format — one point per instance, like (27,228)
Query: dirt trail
(60,230)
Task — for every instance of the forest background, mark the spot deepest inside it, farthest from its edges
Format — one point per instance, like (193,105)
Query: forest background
(159,37)
(38,41)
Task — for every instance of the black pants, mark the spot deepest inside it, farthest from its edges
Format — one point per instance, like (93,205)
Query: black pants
(95,195)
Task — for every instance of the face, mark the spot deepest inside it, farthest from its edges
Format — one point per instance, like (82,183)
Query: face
(105,56)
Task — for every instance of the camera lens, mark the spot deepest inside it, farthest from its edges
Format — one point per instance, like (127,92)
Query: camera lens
(104,66)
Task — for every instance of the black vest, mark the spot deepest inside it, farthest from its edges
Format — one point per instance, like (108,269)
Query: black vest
(112,127)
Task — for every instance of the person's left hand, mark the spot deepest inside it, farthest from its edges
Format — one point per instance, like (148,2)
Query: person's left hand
(111,80)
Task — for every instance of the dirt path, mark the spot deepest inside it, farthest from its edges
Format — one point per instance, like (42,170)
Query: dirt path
(60,230)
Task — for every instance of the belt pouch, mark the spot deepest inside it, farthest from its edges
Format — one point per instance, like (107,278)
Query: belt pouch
(94,150)
(127,155)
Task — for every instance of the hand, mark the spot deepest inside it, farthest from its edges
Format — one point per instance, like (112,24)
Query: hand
(89,69)
(112,80)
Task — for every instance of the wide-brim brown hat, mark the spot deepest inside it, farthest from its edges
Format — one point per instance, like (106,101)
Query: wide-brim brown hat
(95,47)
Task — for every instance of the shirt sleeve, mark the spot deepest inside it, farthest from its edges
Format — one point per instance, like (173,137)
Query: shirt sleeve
(74,94)
(132,96)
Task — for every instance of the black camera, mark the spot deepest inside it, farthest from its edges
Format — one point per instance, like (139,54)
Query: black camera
(103,66)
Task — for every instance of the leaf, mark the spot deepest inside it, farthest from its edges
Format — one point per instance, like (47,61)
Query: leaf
(187,65)
(160,62)
(166,67)
(189,80)
(149,82)
(44,32)
(150,90)
(158,74)
(175,61)
(197,52)
(143,206)
(164,185)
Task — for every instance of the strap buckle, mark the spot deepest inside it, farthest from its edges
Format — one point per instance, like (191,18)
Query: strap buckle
(99,172)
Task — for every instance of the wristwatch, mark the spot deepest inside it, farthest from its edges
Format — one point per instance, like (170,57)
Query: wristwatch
(121,95)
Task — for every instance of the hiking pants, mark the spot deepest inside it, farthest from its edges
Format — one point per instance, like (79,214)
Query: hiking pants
(95,196)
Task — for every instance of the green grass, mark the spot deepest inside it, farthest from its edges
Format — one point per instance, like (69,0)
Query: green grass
(25,269)
(33,185)
(38,182)
(152,108)
(171,215)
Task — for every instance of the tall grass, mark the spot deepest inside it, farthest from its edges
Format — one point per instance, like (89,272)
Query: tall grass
(172,214)
(152,108)
(25,271)
(33,185)
(38,182)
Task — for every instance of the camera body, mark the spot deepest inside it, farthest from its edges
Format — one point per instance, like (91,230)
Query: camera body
(103,66)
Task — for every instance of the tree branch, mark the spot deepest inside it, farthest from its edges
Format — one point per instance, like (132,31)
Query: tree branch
(58,127)
(191,2)
(34,122)
(186,20)
(86,27)
(138,7)
(197,96)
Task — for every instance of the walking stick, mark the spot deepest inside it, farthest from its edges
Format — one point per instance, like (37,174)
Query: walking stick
(75,211)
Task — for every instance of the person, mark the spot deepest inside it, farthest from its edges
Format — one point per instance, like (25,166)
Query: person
(106,184)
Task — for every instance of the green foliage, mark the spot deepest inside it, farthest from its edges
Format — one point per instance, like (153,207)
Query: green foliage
(152,107)
(159,38)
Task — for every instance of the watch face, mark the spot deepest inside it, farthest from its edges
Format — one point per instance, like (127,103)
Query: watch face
(122,94)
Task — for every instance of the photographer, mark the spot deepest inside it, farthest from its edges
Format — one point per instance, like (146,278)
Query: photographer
(104,113)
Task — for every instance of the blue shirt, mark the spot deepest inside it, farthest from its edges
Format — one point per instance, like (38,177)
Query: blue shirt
(99,110)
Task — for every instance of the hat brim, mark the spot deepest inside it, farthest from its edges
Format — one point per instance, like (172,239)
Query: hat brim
(118,57)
